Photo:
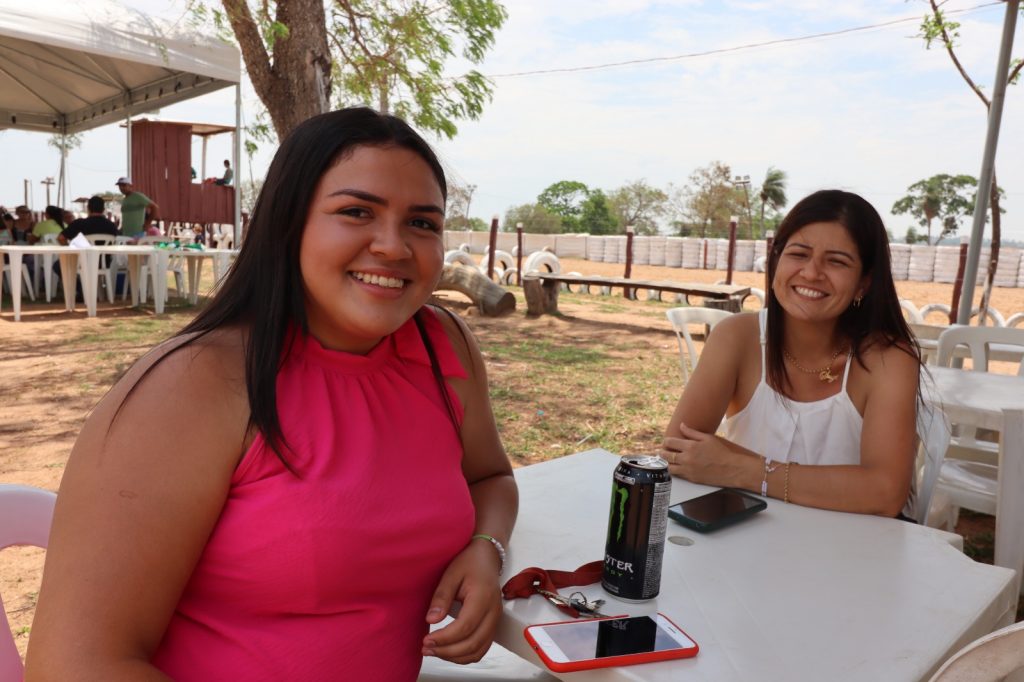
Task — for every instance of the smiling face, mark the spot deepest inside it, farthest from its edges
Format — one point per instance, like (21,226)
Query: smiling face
(819,273)
(371,250)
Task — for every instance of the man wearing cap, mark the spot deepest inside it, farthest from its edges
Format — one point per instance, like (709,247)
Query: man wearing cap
(137,210)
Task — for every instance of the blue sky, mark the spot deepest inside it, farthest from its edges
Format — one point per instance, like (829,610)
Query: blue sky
(869,111)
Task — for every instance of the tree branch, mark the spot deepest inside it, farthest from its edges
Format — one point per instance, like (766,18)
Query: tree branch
(948,42)
(254,51)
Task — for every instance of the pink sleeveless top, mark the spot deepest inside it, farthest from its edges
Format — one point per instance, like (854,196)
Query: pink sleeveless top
(328,575)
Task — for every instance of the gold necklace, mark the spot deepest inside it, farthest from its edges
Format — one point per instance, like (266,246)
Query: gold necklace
(824,374)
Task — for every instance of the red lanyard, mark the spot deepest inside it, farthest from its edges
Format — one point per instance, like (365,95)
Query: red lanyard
(533,580)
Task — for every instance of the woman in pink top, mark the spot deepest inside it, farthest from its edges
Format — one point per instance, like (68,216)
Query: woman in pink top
(820,390)
(307,476)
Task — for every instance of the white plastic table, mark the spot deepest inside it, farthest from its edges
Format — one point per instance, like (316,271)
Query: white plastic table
(979,398)
(194,258)
(793,593)
(87,262)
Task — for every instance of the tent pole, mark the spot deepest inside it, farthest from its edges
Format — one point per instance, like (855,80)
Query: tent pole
(995,116)
(236,242)
(128,127)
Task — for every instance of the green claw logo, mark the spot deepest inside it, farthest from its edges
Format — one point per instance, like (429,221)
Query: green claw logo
(623,494)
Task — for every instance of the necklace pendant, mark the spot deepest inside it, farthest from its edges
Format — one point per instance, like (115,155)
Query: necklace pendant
(827,375)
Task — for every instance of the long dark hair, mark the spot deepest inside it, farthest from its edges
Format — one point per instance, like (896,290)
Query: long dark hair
(878,319)
(263,290)
(56,214)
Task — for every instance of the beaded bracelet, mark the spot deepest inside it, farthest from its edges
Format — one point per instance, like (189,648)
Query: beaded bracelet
(497,545)
(768,468)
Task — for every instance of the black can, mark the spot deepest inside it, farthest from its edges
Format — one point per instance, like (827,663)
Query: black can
(641,486)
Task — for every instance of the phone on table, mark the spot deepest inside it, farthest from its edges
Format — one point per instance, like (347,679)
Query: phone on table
(716,509)
(605,642)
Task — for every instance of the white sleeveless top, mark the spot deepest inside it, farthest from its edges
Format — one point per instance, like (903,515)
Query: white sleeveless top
(820,432)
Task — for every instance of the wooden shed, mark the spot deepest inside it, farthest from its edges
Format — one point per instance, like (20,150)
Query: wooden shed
(162,170)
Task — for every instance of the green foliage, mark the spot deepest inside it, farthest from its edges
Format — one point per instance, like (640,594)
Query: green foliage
(948,198)
(565,199)
(913,237)
(596,216)
(391,54)
(638,204)
(535,218)
(772,193)
(710,199)
(65,143)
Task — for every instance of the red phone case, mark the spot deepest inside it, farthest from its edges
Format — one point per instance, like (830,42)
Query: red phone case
(610,661)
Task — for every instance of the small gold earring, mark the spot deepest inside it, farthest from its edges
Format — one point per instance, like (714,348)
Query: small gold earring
(856,301)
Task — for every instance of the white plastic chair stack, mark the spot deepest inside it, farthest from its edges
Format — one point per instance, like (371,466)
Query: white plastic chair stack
(25,516)
(680,318)
(972,484)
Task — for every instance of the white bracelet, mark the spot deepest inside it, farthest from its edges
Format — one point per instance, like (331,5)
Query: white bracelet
(768,468)
(497,545)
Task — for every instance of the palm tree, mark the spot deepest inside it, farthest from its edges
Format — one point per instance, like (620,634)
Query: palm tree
(773,191)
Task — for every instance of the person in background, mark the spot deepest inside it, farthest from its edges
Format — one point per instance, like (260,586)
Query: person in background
(7,229)
(820,389)
(228,175)
(69,217)
(52,224)
(138,211)
(340,482)
(95,223)
(22,224)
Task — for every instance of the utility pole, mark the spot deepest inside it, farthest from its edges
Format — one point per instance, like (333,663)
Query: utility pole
(47,182)
(744,181)
(469,198)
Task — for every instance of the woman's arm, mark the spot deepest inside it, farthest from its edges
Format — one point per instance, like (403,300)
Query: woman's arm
(473,576)
(880,484)
(140,495)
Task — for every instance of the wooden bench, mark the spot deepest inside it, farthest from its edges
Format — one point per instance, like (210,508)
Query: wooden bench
(541,290)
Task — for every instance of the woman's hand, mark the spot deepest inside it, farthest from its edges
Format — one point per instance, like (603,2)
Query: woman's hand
(471,578)
(708,459)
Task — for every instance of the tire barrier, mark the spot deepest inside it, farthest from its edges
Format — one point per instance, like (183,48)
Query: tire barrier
(583,288)
(915,262)
(461,257)
(542,261)
(1015,320)
(508,276)
(502,259)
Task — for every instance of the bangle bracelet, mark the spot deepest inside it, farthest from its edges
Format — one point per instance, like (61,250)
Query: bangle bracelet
(497,545)
(768,468)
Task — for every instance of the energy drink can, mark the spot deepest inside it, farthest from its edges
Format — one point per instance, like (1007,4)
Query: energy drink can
(641,486)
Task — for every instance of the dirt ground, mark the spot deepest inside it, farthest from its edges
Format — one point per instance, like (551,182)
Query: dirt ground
(54,366)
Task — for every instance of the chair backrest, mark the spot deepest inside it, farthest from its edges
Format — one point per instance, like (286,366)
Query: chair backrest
(911,312)
(986,659)
(980,342)
(124,239)
(934,434)
(49,238)
(155,239)
(25,516)
(680,319)
(100,239)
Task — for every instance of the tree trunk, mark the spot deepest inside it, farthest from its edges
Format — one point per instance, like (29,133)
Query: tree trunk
(491,299)
(993,259)
(293,80)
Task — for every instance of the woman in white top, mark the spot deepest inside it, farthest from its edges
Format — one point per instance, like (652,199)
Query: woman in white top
(820,388)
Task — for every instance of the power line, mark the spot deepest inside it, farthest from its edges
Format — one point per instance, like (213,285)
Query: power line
(738,48)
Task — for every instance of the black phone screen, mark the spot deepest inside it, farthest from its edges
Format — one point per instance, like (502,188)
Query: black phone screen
(716,505)
(618,637)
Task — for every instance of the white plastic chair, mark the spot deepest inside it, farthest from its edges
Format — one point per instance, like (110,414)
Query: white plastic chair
(25,516)
(686,315)
(911,312)
(175,266)
(987,659)
(24,276)
(106,270)
(973,484)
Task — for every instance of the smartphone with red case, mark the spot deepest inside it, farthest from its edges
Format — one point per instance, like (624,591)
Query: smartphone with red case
(574,645)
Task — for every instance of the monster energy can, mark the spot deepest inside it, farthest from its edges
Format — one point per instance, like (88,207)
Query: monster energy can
(641,486)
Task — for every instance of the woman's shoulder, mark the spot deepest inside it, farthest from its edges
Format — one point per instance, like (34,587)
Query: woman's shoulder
(886,358)
(738,328)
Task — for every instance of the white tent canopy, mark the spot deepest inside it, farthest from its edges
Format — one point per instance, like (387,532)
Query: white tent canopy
(68,67)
